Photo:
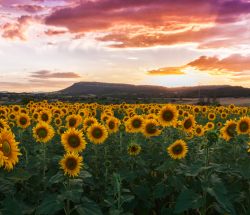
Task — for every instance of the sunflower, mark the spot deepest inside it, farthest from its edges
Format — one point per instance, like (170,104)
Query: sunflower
(134,124)
(211,116)
(9,150)
(61,130)
(71,164)
(113,124)
(178,149)
(87,122)
(168,115)
(45,116)
(43,132)
(58,121)
(97,133)
(23,121)
(243,125)
(223,115)
(209,126)
(151,128)
(199,130)
(3,124)
(188,123)
(229,130)
(73,140)
(73,121)
(134,149)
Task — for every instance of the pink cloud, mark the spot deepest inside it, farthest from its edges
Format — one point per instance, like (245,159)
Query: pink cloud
(17,29)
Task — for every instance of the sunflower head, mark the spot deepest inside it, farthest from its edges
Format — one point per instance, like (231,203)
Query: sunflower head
(229,130)
(168,115)
(151,128)
(243,125)
(97,133)
(71,164)
(188,123)
(23,121)
(43,132)
(178,149)
(134,149)
(9,150)
(73,140)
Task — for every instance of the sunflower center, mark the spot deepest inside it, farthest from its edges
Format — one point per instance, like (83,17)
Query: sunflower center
(198,130)
(97,133)
(177,149)
(111,125)
(74,141)
(23,121)
(71,163)
(72,122)
(45,117)
(136,123)
(187,123)
(167,115)
(244,126)
(42,132)
(151,128)
(231,130)
(6,148)
(133,148)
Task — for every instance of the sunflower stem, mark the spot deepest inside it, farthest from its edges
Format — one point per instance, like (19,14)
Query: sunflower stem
(67,210)
(44,165)
(206,178)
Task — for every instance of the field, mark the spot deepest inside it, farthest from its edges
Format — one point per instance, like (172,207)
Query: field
(64,158)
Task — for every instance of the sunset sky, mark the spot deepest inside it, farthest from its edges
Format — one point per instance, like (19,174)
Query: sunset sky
(47,45)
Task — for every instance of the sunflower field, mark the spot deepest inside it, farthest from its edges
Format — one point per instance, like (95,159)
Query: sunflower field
(63,158)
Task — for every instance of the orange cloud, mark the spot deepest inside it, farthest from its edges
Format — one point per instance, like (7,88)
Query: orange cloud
(236,64)
(167,71)
(233,63)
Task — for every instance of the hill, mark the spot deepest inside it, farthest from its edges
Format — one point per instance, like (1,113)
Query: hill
(118,90)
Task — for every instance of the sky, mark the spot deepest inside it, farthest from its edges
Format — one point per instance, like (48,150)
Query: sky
(47,45)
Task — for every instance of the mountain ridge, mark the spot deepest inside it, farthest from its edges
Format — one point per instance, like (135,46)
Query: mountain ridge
(117,89)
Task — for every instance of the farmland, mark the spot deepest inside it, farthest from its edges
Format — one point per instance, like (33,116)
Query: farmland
(75,158)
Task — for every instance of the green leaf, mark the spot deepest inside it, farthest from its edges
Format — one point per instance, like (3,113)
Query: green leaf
(88,207)
(188,199)
(168,164)
(219,192)
(11,206)
(57,178)
(19,175)
(6,187)
(50,205)
(84,174)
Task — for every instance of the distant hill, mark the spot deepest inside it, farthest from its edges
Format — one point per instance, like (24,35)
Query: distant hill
(119,90)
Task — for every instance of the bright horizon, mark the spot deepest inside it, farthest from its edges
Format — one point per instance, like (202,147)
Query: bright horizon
(48,45)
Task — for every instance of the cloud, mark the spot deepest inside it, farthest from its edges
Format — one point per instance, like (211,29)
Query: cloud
(30,8)
(233,63)
(52,32)
(16,29)
(167,71)
(45,74)
(146,23)
(236,65)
